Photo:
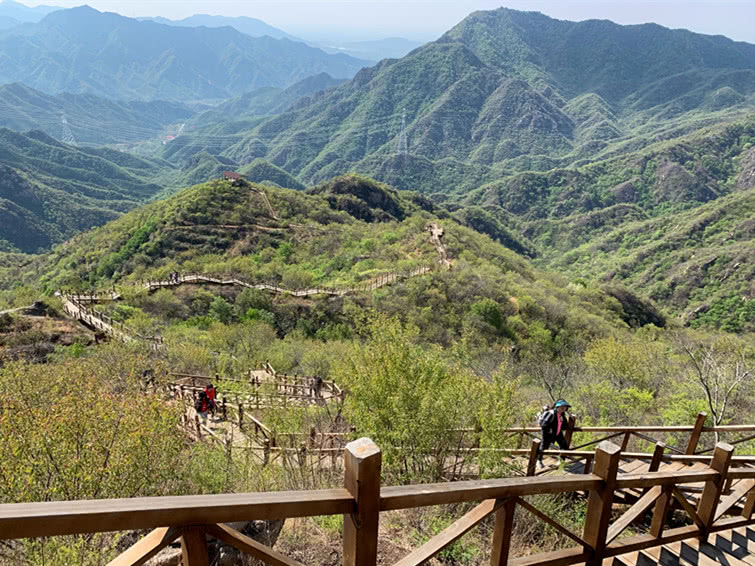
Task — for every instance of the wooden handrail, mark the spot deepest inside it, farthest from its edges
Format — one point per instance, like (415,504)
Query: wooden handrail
(363,498)
(20,520)
(23,520)
(581,454)
(621,429)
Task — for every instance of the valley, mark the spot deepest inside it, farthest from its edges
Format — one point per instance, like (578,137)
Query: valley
(478,294)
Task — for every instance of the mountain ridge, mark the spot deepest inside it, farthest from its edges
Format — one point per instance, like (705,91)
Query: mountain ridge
(82,50)
(485,94)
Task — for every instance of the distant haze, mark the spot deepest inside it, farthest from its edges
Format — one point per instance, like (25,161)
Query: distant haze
(357,20)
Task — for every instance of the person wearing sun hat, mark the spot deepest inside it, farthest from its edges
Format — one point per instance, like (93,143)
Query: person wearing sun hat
(553,424)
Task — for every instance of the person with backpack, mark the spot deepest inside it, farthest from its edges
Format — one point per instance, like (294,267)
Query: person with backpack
(202,405)
(553,424)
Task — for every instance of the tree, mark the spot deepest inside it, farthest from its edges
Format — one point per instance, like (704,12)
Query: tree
(407,398)
(724,368)
(83,429)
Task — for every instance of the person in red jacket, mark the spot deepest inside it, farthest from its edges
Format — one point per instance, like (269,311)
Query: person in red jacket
(202,406)
(211,393)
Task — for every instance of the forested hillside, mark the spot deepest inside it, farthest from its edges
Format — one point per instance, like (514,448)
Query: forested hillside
(261,102)
(424,254)
(346,232)
(50,191)
(82,50)
(506,91)
(671,221)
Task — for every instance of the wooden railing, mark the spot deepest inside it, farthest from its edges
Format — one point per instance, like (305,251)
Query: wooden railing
(195,519)
(376,283)
(648,434)
(80,308)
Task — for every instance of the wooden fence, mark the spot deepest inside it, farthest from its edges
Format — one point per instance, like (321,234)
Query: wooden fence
(378,282)
(196,519)
(83,311)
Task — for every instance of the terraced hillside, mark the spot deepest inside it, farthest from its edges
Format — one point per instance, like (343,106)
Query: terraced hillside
(346,233)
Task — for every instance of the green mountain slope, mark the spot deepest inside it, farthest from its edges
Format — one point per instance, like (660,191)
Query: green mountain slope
(505,91)
(85,51)
(50,191)
(701,263)
(263,101)
(315,240)
(673,222)
(90,119)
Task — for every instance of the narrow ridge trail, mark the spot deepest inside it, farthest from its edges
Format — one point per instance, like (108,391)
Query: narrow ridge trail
(75,305)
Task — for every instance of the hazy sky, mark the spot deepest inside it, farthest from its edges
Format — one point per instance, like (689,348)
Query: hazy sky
(425,20)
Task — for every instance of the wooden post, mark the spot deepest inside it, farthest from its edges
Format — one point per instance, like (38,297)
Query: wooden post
(194,547)
(241,415)
(362,462)
(504,521)
(749,507)
(696,432)
(225,410)
(662,506)
(706,508)
(656,460)
(199,427)
(532,464)
(588,464)
(572,422)
(625,442)
(599,504)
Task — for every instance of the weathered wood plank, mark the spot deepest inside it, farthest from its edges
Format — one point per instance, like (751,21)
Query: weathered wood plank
(626,481)
(598,514)
(688,508)
(22,520)
(504,521)
(743,488)
(450,534)
(697,430)
(147,547)
(706,508)
(194,547)
(635,512)
(749,507)
(660,513)
(554,558)
(407,496)
(362,463)
(250,546)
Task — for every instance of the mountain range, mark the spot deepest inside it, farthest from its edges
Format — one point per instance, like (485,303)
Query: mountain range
(82,50)
(86,118)
(505,91)
(371,50)
(249,26)
(19,13)
(612,154)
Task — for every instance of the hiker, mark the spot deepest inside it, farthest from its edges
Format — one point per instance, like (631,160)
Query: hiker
(553,423)
(202,405)
(211,393)
(317,387)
